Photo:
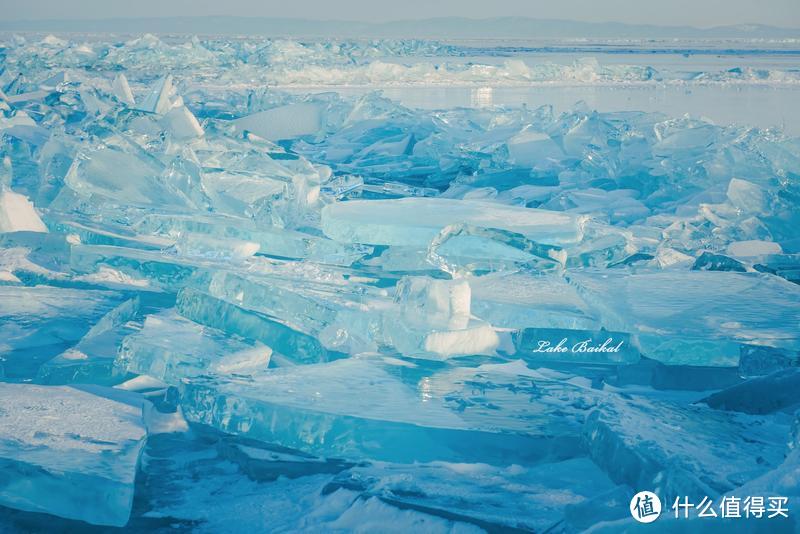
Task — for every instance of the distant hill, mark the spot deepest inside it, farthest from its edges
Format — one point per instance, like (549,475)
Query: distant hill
(436,28)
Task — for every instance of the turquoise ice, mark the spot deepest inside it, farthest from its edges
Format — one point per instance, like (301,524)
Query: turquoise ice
(427,308)
(69,452)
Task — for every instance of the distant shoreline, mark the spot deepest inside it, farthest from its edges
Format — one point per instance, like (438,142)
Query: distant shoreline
(506,28)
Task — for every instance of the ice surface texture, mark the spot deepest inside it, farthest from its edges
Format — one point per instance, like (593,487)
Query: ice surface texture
(323,312)
(68,452)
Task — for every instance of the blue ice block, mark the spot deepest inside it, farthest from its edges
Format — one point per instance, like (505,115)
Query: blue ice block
(68,452)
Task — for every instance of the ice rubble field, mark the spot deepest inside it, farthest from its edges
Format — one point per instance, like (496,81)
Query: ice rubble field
(228,308)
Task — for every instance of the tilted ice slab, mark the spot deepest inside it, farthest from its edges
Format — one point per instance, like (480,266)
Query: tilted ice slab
(193,483)
(760,395)
(529,498)
(347,408)
(17,214)
(283,122)
(676,451)
(122,175)
(428,318)
(138,268)
(371,408)
(205,309)
(272,241)
(307,304)
(67,452)
(170,347)
(520,300)
(432,319)
(416,221)
(696,317)
(91,359)
(37,323)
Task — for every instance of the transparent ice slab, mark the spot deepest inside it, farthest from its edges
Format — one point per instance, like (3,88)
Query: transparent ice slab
(308,303)
(142,269)
(519,300)
(696,317)
(38,323)
(364,408)
(92,358)
(283,122)
(123,174)
(205,309)
(427,318)
(416,221)
(762,395)
(68,452)
(170,347)
(482,494)
(679,450)
(272,241)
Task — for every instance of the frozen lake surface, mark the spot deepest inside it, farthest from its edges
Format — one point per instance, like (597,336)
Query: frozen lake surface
(291,285)
(686,87)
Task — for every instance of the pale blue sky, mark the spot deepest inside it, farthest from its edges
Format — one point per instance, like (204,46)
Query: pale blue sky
(661,12)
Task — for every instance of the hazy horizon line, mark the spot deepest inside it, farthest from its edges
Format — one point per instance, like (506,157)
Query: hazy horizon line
(399,20)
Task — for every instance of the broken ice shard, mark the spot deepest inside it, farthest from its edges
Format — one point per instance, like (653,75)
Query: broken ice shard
(119,175)
(169,347)
(202,246)
(476,338)
(464,249)
(433,320)
(530,148)
(702,324)
(38,323)
(434,303)
(158,99)
(520,300)
(284,122)
(272,241)
(747,196)
(681,451)
(207,310)
(68,452)
(91,359)
(416,221)
(361,408)
(307,308)
(469,491)
(17,213)
(122,90)
(761,395)
(181,123)
(141,269)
